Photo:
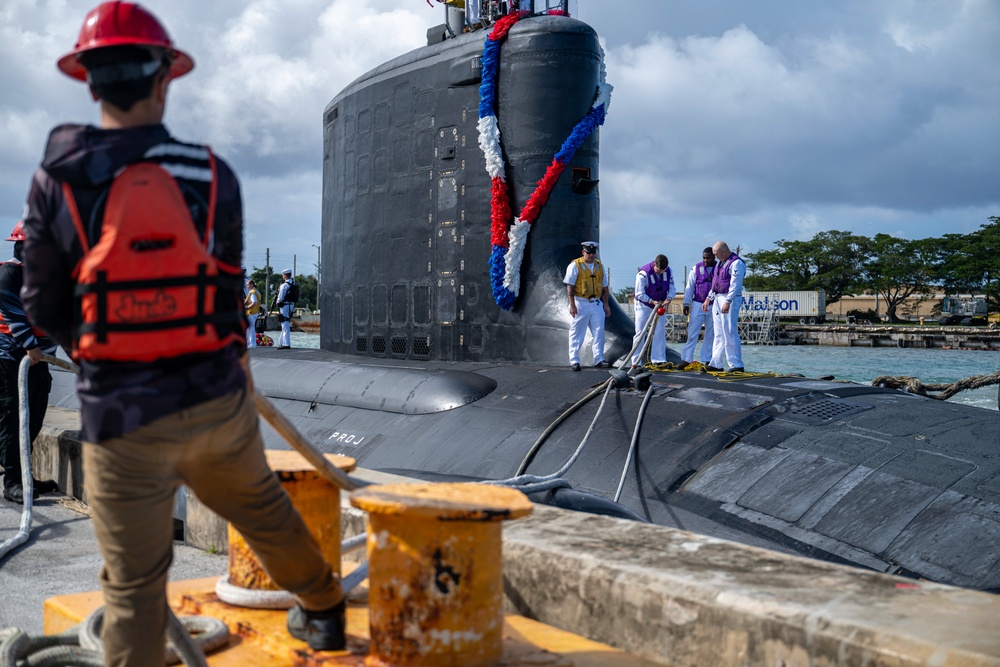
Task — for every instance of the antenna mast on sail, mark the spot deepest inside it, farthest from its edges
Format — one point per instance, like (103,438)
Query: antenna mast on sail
(467,15)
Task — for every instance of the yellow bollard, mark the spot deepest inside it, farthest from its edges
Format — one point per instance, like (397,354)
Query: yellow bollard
(316,499)
(436,572)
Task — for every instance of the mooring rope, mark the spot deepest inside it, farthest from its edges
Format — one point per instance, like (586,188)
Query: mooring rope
(281,599)
(943,391)
(188,639)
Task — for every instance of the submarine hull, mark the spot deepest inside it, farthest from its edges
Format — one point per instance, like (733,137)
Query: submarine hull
(842,472)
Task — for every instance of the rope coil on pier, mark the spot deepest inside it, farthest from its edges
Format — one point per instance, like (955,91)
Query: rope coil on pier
(189,638)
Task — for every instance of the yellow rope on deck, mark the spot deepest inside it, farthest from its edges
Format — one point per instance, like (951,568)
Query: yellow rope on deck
(698,367)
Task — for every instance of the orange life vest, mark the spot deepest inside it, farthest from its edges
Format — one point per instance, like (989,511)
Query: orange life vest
(147,289)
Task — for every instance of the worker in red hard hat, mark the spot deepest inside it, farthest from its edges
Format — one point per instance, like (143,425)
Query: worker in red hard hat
(156,325)
(18,339)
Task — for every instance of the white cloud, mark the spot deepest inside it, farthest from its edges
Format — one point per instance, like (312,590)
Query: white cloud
(729,120)
(805,225)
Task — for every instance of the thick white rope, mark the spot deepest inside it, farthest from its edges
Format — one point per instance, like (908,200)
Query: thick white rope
(281,599)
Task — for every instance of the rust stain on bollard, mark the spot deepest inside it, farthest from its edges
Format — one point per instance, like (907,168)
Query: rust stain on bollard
(436,572)
(316,499)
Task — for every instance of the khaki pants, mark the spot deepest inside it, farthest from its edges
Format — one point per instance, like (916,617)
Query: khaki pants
(215,448)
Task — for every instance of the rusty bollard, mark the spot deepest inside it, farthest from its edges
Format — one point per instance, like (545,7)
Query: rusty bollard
(316,499)
(436,572)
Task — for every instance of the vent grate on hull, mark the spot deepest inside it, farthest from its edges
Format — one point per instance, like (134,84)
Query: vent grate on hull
(824,411)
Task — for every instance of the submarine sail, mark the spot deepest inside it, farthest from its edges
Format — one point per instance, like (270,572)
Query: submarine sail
(407,200)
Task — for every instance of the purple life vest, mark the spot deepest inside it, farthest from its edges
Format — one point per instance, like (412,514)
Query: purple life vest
(720,281)
(657,285)
(702,281)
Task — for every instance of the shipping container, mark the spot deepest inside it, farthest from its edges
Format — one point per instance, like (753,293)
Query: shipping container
(805,307)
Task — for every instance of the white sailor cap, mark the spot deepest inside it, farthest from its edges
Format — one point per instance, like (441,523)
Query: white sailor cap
(590,246)
(286,272)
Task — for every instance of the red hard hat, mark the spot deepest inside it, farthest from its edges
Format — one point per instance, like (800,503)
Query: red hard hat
(118,24)
(18,233)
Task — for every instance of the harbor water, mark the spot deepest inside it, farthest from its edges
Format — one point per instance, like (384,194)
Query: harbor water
(862,365)
(856,364)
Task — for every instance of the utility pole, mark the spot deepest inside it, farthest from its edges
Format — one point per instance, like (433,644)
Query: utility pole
(267,279)
(293,268)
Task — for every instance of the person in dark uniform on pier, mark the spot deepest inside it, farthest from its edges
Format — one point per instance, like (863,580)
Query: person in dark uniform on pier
(17,341)
(287,296)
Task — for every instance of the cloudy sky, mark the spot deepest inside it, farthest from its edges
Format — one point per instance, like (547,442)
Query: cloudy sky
(745,120)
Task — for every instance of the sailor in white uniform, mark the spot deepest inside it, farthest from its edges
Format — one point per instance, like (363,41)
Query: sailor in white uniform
(587,288)
(699,284)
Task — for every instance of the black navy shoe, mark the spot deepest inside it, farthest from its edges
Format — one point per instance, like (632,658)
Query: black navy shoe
(15,494)
(43,486)
(601,364)
(738,369)
(284,347)
(322,630)
(713,369)
(575,366)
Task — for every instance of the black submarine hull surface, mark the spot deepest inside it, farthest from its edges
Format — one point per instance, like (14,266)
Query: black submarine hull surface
(838,471)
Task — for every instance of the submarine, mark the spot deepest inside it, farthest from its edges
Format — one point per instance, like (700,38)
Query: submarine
(437,364)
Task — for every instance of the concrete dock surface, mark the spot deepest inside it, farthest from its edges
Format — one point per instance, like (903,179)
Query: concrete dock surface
(61,557)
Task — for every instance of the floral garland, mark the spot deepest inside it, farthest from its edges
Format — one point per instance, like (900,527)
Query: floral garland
(509,240)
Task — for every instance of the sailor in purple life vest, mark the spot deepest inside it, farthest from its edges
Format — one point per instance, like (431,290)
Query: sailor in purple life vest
(726,298)
(699,284)
(654,288)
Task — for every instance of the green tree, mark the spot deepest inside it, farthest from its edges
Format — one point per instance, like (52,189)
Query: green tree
(970,263)
(840,257)
(622,295)
(897,269)
(308,292)
(787,267)
(830,261)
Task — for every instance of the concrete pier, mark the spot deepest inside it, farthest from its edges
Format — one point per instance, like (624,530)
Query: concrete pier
(957,338)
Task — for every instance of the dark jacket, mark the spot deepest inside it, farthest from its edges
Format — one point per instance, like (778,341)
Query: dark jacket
(118,397)
(14,345)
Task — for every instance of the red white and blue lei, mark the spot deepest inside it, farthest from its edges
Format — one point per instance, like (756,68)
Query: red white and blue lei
(509,240)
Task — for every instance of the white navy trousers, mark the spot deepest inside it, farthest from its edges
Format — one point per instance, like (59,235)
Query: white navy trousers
(285,338)
(727,336)
(698,317)
(589,315)
(658,348)
(251,331)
